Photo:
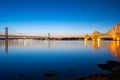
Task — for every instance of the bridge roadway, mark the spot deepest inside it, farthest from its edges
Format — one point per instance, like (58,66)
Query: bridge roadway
(22,37)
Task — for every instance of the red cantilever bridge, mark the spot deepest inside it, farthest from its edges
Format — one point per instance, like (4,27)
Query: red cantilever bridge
(114,33)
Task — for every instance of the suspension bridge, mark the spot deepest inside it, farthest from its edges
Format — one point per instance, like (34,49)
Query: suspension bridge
(11,34)
(114,33)
(6,34)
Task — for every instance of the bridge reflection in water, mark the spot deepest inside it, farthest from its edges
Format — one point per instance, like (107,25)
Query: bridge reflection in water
(22,43)
(6,47)
(112,46)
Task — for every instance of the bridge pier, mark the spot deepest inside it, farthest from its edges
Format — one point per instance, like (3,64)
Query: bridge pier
(116,37)
(86,37)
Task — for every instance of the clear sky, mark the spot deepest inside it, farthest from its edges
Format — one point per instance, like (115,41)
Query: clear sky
(59,17)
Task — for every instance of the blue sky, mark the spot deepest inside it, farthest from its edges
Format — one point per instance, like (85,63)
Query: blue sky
(59,17)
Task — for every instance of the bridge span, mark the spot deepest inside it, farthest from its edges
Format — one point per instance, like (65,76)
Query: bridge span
(6,36)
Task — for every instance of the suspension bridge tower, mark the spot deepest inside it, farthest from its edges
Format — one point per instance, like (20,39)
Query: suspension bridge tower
(6,33)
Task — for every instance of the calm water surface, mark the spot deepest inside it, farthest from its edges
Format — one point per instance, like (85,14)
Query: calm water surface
(35,57)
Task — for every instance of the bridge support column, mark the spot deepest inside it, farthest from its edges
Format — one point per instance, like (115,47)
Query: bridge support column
(118,37)
(86,37)
(6,33)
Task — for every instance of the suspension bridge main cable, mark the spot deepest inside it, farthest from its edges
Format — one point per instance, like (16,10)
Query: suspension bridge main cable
(12,30)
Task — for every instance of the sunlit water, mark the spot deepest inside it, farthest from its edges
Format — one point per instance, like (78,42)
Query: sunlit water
(35,57)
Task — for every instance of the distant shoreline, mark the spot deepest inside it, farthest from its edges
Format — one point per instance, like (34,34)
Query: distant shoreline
(72,38)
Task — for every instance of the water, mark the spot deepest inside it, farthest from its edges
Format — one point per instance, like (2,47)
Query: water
(35,57)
